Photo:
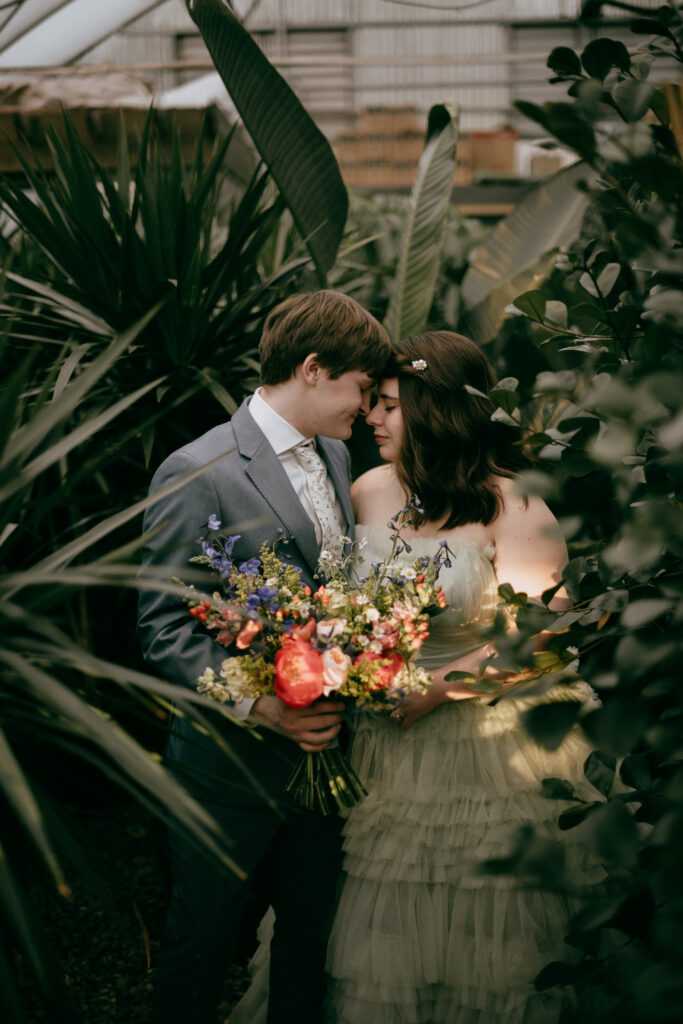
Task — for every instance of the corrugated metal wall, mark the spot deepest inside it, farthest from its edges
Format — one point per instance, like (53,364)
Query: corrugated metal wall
(434,63)
(345,57)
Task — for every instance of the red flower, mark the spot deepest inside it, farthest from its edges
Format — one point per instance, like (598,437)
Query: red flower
(389,665)
(298,674)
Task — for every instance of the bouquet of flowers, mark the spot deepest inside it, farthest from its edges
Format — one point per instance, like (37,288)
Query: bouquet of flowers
(354,637)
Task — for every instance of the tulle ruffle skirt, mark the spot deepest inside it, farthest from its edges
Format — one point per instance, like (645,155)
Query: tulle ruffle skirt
(422,934)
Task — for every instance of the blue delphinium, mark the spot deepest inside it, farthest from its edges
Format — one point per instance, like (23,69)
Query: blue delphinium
(251,567)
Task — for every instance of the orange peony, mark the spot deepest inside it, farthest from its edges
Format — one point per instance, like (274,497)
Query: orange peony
(303,632)
(298,674)
(390,665)
(249,630)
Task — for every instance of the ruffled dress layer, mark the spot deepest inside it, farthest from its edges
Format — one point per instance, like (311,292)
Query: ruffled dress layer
(422,935)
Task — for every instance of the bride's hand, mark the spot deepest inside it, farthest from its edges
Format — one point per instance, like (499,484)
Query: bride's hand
(412,709)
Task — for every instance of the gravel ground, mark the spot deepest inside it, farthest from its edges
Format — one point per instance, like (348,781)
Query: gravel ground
(106,938)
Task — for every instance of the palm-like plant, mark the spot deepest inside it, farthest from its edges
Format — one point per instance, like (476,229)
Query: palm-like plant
(57,696)
(115,247)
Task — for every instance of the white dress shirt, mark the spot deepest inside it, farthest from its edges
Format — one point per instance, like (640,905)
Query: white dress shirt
(283,437)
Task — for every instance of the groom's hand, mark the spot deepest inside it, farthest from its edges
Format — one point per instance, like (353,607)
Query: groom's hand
(313,728)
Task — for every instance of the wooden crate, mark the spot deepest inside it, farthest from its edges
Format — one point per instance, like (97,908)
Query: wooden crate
(99,129)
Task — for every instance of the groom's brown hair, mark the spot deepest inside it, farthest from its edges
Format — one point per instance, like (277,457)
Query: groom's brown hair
(343,334)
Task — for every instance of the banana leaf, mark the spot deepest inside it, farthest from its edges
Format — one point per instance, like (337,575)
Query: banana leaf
(297,154)
(423,237)
(520,250)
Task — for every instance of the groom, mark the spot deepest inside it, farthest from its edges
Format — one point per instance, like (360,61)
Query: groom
(319,355)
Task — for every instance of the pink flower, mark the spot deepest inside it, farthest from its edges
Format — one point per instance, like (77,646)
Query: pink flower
(336,666)
(225,637)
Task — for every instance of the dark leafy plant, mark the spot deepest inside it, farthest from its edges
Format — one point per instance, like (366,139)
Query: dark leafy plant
(115,247)
(611,461)
(297,154)
(60,702)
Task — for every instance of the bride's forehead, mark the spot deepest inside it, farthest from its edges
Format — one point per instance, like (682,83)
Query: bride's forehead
(388,388)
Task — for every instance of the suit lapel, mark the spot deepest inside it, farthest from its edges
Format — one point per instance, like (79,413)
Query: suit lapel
(266,473)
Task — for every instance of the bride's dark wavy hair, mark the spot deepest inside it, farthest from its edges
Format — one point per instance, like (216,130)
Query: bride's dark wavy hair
(451,450)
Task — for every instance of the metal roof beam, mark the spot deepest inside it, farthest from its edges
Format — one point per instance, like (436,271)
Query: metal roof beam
(65,31)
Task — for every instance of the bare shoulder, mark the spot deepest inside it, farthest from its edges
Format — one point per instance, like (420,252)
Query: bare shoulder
(372,492)
(526,519)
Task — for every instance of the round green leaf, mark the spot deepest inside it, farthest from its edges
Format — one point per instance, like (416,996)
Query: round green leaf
(564,61)
(548,724)
(557,789)
(532,304)
(635,771)
(633,98)
(554,974)
(601,55)
(599,769)
(640,613)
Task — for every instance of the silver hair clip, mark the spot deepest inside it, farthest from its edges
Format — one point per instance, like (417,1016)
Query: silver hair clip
(419,364)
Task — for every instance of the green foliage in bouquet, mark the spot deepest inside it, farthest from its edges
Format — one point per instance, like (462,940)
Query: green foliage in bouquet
(608,432)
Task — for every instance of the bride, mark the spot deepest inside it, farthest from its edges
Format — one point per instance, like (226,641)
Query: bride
(421,935)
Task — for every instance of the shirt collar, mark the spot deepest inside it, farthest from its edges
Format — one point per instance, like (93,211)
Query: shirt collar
(281,435)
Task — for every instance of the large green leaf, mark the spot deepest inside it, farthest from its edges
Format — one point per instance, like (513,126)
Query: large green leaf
(297,154)
(518,253)
(423,236)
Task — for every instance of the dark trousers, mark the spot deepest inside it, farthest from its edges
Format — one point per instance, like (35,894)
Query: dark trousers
(299,858)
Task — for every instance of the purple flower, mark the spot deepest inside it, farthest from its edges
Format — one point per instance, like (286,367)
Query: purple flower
(266,593)
(212,523)
(229,543)
(224,566)
(209,550)
(251,567)
(252,602)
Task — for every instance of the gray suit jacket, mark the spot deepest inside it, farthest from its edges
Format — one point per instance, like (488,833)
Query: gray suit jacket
(251,494)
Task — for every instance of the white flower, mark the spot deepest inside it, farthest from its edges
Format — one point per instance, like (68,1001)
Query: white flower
(207,677)
(371,614)
(234,688)
(328,629)
(325,555)
(375,646)
(408,573)
(361,641)
(336,666)
(362,599)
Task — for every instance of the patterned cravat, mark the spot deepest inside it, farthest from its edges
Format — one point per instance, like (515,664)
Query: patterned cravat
(331,528)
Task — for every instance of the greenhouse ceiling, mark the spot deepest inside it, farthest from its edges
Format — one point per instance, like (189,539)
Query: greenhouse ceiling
(44,33)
